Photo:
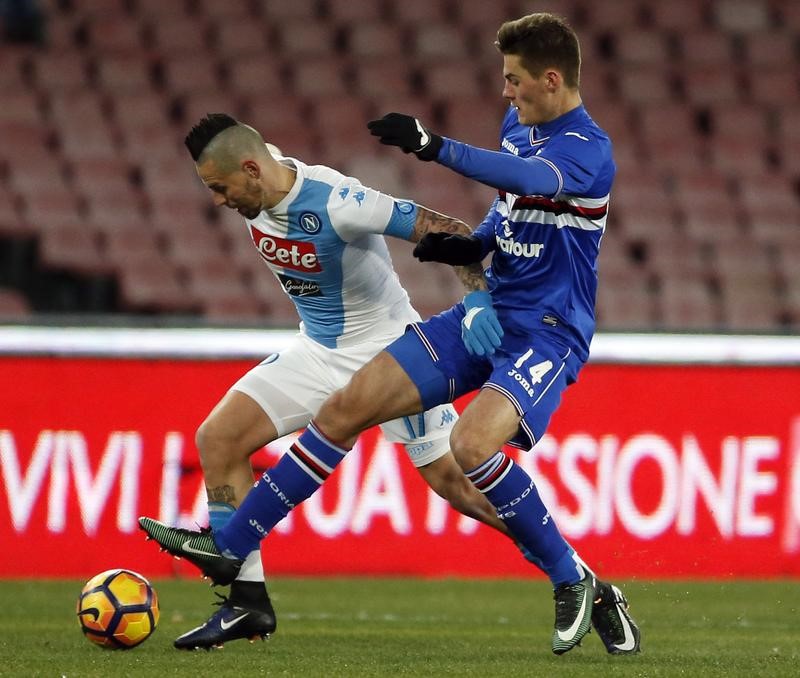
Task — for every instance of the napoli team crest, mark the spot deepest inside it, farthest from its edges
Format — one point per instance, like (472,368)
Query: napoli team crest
(310,222)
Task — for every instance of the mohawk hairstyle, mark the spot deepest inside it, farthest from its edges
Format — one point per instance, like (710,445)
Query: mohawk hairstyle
(204,131)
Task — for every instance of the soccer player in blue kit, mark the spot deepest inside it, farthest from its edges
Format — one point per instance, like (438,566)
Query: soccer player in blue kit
(522,340)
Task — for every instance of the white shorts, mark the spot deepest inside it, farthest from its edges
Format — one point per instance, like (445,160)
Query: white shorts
(291,386)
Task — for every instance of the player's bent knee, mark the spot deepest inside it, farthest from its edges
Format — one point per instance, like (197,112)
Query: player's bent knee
(467,449)
(217,451)
(342,415)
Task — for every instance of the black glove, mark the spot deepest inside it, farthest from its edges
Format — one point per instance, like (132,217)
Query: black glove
(396,129)
(456,250)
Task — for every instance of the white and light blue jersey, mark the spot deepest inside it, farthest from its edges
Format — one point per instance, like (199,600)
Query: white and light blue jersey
(324,242)
(544,265)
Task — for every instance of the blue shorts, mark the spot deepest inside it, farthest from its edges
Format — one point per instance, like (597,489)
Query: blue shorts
(531,369)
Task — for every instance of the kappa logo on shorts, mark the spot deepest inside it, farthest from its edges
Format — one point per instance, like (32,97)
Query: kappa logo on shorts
(447,417)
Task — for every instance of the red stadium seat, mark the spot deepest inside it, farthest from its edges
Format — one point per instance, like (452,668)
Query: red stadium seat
(686,303)
(746,156)
(437,43)
(384,78)
(375,40)
(225,11)
(646,85)
(20,107)
(254,75)
(53,208)
(241,37)
(191,73)
(124,73)
(448,79)
(741,16)
(712,85)
(675,258)
(321,76)
(747,121)
(351,13)
(123,245)
(774,88)
(307,39)
(159,11)
(770,49)
(63,71)
(613,16)
(419,12)
(101,175)
(706,48)
(80,108)
(72,248)
(637,47)
(670,123)
(154,286)
(114,33)
(281,12)
(178,35)
(679,15)
(625,301)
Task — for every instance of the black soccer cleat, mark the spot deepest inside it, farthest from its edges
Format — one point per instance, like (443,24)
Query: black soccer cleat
(230,622)
(574,604)
(197,547)
(613,623)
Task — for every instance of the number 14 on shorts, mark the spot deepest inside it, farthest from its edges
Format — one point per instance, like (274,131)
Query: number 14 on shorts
(537,371)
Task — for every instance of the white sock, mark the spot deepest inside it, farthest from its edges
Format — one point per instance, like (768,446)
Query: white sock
(252,569)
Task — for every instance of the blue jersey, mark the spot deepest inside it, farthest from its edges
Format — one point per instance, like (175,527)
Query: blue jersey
(543,274)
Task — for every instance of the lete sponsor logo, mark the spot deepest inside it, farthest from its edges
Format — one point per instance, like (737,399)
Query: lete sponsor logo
(293,254)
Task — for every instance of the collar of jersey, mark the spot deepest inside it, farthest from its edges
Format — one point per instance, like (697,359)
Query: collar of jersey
(550,128)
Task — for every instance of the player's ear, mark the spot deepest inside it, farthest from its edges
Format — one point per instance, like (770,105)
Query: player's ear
(553,80)
(251,168)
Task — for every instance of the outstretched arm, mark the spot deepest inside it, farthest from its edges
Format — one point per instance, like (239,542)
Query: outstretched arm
(522,176)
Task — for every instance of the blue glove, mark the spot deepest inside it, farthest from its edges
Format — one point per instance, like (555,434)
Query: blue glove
(480,328)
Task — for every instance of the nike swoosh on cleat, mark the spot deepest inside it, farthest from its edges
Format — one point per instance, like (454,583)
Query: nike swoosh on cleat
(227,624)
(569,634)
(630,639)
(188,549)
(424,138)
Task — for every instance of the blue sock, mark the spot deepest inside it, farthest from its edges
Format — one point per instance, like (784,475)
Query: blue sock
(513,493)
(219,513)
(295,477)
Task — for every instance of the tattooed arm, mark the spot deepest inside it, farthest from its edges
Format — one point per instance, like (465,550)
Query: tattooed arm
(428,221)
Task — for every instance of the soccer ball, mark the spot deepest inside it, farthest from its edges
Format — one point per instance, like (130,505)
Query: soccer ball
(118,609)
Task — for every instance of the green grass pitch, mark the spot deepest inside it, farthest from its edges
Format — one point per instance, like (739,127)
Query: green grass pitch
(432,627)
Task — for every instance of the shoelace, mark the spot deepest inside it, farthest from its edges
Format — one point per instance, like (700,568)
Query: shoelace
(222,599)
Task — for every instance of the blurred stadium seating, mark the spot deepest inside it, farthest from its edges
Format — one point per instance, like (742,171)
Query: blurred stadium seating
(98,197)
